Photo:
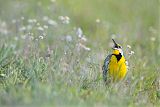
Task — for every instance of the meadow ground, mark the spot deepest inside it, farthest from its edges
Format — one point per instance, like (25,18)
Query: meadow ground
(52,52)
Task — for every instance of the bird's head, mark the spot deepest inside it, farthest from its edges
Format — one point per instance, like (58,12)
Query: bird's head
(117,49)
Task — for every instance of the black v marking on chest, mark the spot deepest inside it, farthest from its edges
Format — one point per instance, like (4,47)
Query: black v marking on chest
(119,56)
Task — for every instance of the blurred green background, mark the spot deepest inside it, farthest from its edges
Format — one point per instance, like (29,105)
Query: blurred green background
(52,51)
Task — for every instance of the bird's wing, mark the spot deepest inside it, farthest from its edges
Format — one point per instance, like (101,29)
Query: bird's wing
(105,66)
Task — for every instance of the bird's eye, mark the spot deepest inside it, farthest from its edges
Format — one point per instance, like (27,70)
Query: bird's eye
(119,47)
(116,46)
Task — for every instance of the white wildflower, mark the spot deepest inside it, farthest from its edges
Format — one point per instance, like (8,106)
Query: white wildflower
(83,47)
(65,53)
(131,53)
(3,75)
(67,20)
(68,38)
(52,22)
(97,20)
(153,39)
(45,26)
(87,48)
(45,18)
(84,39)
(32,20)
(142,77)
(41,37)
(127,63)
(40,28)
(61,17)
(64,19)
(23,28)
(79,32)
(128,46)
(30,33)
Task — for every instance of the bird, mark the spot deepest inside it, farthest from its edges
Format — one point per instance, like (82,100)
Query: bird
(115,65)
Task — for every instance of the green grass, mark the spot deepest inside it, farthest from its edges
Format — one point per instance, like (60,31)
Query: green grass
(43,62)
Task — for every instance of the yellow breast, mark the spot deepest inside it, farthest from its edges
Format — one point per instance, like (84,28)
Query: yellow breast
(117,69)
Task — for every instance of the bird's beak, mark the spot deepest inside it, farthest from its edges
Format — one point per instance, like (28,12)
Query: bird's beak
(115,44)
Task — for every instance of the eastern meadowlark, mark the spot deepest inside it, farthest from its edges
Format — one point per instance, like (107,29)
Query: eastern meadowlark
(115,64)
